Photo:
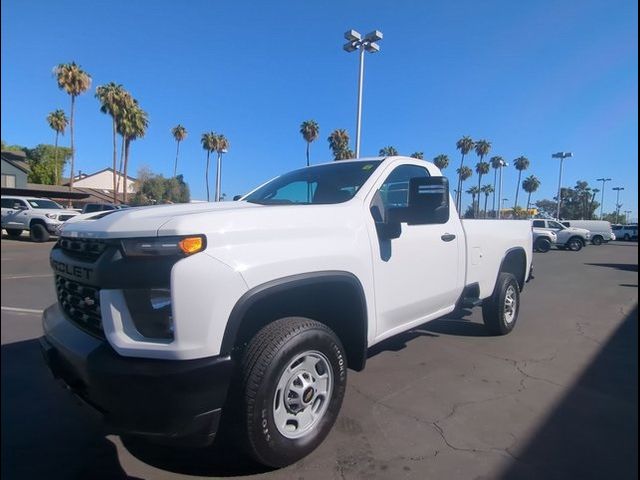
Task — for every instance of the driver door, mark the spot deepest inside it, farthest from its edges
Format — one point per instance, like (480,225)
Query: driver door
(14,215)
(417,274)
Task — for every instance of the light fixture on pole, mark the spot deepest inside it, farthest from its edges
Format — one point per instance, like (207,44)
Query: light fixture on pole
(501,206)
(561,156)
(603,180)
(618,205)
(355,41)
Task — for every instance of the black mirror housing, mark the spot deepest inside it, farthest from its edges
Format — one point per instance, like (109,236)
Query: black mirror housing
(237,197)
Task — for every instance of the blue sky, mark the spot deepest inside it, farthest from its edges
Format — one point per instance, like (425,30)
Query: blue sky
(531,77)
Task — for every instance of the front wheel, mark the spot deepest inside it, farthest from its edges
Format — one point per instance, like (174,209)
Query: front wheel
(39,233)
(597,240)
(294,376)
(500,311)
(542,245)
(575,244)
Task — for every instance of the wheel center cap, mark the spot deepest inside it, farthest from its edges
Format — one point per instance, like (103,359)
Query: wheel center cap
(307,396)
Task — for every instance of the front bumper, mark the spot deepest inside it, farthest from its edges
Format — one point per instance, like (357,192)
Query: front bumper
(166,399)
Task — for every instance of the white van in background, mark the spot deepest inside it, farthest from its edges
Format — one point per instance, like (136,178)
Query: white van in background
(600,229)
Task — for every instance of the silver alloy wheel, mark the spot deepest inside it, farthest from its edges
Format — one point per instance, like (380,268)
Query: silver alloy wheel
(303,394)
(510,305)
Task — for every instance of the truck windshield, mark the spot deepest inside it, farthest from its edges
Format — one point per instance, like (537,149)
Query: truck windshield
(325,184)
(41,203)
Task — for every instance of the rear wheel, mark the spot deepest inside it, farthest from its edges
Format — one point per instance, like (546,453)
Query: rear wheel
(39,233)
(500,311)
(542,245)
(575,244)
(13,233)
(597,240)
(293,381)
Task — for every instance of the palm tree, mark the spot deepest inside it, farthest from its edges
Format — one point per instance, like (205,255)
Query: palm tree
(530,185)
(58,122)
(521,163)
(482,168)
(487,190)
(310,131)
(111,97)
(418,155)
(496,164)
(464,173)
(388,151)
(465,144)
(339,144)
(179,134)
(221,146)
(441,161)
(74,81)
(474,191)
(133,125)
(209,142)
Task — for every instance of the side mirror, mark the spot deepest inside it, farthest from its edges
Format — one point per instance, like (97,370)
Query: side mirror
(237,197)
(388,230)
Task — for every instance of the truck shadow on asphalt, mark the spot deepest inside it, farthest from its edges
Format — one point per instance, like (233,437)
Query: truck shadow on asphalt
(626,267)
(592,433)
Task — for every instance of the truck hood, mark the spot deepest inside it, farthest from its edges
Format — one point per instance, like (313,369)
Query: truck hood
(143,221)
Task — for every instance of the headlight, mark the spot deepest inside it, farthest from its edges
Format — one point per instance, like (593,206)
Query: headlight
(150,311)
(52,216)
(181,246)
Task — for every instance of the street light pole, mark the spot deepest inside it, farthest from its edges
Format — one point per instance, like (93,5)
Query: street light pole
(561,156)
(603,180)
(219,175)
(368,43)
(617,189)
(500,207)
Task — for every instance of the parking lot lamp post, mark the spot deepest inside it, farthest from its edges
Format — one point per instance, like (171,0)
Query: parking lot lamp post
(368,43)
(618,205)
(603,180)
(502,165)
(561,156)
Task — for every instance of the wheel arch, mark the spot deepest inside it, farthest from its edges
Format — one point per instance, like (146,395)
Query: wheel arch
(335,298)
(514,262)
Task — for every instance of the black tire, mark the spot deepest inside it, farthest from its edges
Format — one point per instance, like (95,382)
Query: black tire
(13,232)
(267,361)
(575,244)
(39,233)
(494,312)
(597,240)
(542,245)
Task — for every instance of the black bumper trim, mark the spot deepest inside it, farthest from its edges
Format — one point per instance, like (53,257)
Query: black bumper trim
(165,399)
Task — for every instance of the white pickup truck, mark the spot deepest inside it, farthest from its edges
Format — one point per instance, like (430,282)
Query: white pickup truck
(168,315)
(40,216)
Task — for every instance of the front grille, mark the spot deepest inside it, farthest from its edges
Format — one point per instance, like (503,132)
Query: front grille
(86,248)
(81,303)
(64,218)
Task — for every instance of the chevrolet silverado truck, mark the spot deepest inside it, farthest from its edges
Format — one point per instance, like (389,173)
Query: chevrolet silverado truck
(40,216)
(241,318)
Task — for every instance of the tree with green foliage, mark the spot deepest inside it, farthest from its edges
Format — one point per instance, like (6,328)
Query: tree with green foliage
(179,133)
(482,168)
(133,123)
(521,164)
(74,81)
(46,162)
(496,163)
(339,144)
(208,141)
(530,185)
(389,151)
(441,161)
(154,189)
(58,122)
(222,146)
(487,190)
(418,155)
(474,192)
(573,203)
(111,98)
(464,173)
(309,130)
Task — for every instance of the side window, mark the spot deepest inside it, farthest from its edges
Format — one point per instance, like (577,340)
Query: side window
(566,224)
(538,223)
(555,225)
(91,208)
(16,202)
(7,203)
(394,192)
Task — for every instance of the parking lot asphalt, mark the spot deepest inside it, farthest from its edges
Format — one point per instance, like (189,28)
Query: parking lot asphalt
(555,399)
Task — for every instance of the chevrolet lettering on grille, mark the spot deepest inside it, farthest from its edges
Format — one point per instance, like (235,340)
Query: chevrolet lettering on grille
(73,270)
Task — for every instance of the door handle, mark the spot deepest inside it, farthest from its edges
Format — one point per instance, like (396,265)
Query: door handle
(447,237)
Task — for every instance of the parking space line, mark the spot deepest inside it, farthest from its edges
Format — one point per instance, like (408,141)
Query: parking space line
(21,310)
(15,277)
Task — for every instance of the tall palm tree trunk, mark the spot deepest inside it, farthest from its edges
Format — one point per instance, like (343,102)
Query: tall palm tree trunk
(73,150)
(517,190)
(493,198)
(308,143)
(55,161)
(175,166)
(528,203)
(218,175)
(459,195)
(478,206)
(126,165)
(122,149)
(206,174)
(115,155)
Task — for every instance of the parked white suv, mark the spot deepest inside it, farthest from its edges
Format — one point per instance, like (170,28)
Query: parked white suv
(40,216)
(568,237)
(171,318)
(600,230)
